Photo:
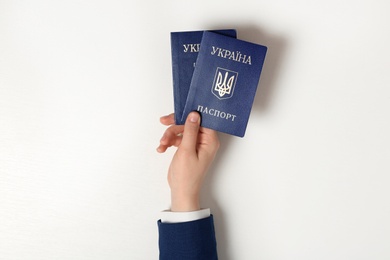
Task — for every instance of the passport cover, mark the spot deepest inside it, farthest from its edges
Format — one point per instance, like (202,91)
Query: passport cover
(184,51)
(224,82)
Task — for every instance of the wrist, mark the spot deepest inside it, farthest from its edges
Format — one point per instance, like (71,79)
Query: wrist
(180,203)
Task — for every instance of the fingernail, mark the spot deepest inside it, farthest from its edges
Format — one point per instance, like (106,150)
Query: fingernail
(194,117)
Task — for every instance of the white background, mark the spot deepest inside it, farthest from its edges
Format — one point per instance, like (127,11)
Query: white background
(82,87)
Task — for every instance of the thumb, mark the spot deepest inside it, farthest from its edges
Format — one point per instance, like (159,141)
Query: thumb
(191,129)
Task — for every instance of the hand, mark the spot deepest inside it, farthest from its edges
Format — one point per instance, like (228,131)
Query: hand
(197,147)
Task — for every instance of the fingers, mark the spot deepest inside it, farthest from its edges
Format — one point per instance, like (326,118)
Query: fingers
(171,137)
(168,119)
(191,130)
(190,136)
(209,136)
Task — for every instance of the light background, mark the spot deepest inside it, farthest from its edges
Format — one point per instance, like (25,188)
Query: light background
(82,86)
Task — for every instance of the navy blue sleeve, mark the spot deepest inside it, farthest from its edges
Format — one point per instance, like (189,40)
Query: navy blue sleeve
(189,240)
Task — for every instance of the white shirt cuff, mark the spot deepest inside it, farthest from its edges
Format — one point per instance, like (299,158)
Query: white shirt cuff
(168,216)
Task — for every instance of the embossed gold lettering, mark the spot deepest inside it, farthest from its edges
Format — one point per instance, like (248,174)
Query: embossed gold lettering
(216,113)
(231,55)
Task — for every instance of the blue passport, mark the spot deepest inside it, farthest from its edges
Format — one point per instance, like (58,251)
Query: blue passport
(224,82)
(184,49)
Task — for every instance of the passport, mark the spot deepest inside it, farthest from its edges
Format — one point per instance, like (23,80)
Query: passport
(224,82)
(184,51)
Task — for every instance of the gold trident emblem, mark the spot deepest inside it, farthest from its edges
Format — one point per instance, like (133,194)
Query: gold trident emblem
(223,84)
